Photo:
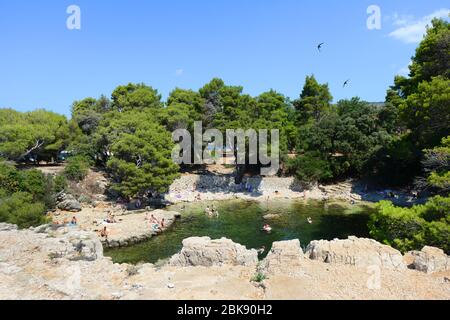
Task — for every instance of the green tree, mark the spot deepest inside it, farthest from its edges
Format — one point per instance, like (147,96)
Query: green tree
(347,138)
(135,97)
(427,112)
(315,99)
(76,168)
(413,228)
(436,165)
(38,135)
(141,161)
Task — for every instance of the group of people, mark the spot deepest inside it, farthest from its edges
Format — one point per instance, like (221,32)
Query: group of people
(212,212)
(72,223)
(154,223)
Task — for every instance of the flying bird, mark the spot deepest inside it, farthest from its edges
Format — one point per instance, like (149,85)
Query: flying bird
(346,83)
(320,46)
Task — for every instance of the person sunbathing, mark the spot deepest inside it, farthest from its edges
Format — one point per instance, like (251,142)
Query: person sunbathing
(74,221)
(111,218)
(104,233)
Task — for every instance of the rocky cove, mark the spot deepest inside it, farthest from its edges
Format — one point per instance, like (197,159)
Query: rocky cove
(57,261)
(47,263)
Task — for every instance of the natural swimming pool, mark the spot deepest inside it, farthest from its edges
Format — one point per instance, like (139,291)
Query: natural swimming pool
(241,221)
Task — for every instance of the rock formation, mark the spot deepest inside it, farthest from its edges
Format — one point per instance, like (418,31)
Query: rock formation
(67,202)
(430,260)
(357,252)
(282,254)
(206,252)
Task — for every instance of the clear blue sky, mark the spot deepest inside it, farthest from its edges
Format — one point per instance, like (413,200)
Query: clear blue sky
(259,44)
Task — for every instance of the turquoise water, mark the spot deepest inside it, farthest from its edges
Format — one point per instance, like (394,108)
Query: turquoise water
(241,221)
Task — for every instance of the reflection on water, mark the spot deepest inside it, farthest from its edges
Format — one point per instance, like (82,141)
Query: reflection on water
(242,221)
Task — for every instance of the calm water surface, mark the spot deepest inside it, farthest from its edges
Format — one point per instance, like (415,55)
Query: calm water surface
(241,221)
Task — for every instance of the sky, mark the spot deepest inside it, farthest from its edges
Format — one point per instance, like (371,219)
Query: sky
(257,44)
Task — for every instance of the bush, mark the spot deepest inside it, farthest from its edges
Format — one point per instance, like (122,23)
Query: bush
(413,228)
(59,183)
(20,209)
(9,178)
(76,168)
(25,195)
(33,182)
(310,167)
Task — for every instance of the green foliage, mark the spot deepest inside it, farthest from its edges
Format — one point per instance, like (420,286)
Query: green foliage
(38,135)
(142,161)
(20,209)
(135,97)
(427,112)
(10,179)
(60,183)
(413,228)
(397,162)
(77,168)
(310,167)
(436,164)
(343,141)
(259,277)
(315,99)
(32,182)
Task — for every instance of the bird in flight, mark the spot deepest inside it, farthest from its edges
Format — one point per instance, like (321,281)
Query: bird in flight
(320,46)
(346,83)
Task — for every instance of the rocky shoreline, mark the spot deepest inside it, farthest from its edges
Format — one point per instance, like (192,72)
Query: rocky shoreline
(197,187)
(130,227)
(42,263)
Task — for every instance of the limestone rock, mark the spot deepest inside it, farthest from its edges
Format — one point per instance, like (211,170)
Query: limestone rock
(271,216)
(206,252)
(67,202)
(430,260)
(283,254)
(357,252)
(74,245)
(7,227)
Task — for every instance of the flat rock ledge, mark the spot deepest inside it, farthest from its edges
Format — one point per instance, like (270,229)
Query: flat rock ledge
(356,252)
(202,251)
(131,227)
(134,228)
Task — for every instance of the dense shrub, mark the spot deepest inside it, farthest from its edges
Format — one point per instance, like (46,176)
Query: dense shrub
(76,168)
(309,168)
(20,209)
(60,183)
(25,195)
(412,228)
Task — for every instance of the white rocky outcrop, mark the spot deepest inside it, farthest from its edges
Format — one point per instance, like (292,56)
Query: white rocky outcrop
(202,251)
(283,254)
(7,227)
(67,202)
(430,260)
(357,252)
(70,243)
(47,263)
